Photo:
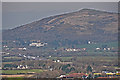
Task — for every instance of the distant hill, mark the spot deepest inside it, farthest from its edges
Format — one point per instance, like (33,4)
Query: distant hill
(67,29)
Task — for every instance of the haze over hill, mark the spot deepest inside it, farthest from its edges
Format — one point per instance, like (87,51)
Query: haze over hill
(67,29)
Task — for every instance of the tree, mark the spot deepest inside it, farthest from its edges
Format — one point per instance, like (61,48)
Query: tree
(89,69)
(72,69)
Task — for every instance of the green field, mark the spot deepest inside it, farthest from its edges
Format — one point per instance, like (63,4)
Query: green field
(13,57)
(91,46)
(101,58)
(62,58)
(21,71)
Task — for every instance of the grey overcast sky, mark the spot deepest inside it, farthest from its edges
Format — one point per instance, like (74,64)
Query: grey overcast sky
(15,14)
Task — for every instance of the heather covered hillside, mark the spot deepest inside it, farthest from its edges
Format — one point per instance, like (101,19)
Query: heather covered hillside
(70,28)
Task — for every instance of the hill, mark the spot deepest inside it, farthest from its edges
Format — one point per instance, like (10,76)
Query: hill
(68,29)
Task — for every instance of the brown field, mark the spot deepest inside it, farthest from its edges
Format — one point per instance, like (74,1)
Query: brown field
(13,76)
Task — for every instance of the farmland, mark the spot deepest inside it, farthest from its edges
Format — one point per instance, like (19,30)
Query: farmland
(21,71)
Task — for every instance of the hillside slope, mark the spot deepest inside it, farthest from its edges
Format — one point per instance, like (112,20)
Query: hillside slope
(71,28)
